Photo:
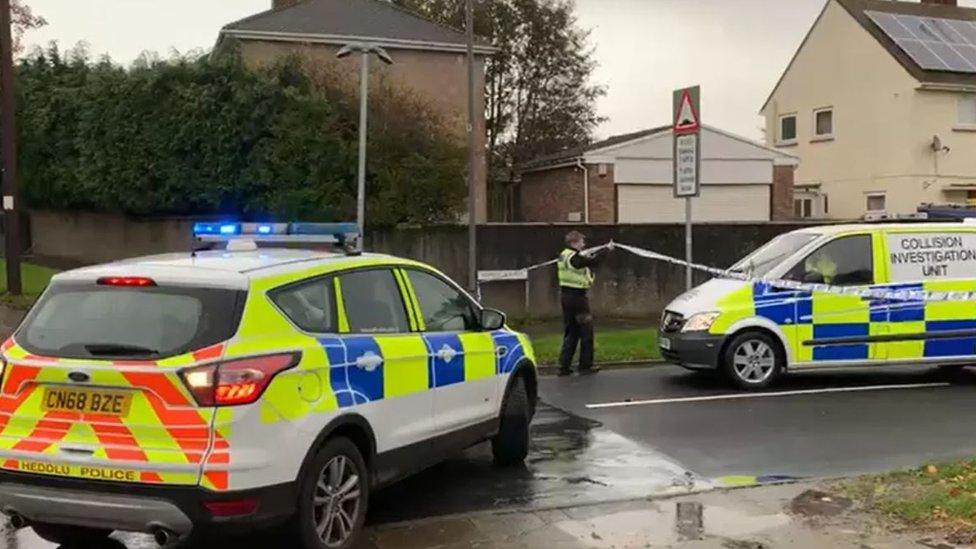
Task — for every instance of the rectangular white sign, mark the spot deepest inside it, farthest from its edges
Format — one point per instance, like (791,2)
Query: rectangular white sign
(914,257)
(686,165)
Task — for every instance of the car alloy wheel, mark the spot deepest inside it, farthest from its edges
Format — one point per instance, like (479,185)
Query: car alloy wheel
(754,361)
(337,500)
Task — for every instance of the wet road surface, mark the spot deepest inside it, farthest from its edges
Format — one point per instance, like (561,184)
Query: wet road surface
(810,431)
(572,461)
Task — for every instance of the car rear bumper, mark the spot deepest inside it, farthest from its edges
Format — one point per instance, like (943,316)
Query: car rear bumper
(692,350)
(136,507)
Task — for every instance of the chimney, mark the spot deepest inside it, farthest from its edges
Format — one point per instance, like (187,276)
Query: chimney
(940,2)
(282,4)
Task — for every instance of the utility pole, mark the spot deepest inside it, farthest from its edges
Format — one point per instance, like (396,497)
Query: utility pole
(472,152)
(8,136)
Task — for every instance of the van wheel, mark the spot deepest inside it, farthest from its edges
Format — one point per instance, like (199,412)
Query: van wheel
(753,360)
(511,445)
(333,497)
(73,536)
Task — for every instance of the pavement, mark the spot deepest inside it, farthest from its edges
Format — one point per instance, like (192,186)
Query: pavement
(644,457)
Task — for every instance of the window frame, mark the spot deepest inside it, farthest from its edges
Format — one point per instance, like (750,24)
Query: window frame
(403,299)
(875,194)
(834,239)
(960,124)
(780,141)
(477,308)
(817,136)
(305,281)
(805,203)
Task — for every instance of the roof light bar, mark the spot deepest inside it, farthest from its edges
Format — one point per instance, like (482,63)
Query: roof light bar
(277,232)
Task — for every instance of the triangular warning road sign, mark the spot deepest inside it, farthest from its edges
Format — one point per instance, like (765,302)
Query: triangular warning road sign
(687,120)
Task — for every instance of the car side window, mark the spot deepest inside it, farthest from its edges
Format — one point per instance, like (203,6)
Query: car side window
(443,307)
(372,302)
(847,261)
(309,305)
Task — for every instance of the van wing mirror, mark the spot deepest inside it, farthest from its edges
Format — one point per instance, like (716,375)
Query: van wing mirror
(492,319)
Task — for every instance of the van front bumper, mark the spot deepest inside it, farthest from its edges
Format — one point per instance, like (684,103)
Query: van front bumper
(691,350)
(138,507)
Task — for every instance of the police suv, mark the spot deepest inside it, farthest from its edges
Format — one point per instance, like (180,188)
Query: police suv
(245,387)
(753,331)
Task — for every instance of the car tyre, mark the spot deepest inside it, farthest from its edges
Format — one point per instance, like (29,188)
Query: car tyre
(69,535)
(333,497)
(511,445)
(753,360)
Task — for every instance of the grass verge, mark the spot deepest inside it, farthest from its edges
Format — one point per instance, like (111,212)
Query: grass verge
(934,497)
(611,345)
(33,278)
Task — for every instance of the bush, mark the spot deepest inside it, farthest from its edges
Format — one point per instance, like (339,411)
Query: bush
(209,136)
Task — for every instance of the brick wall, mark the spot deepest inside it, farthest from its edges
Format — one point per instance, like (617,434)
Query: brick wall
(781,195)
(603,195)
(550,195)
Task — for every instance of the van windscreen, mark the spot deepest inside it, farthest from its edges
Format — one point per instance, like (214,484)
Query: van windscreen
(93,321)
(764,259)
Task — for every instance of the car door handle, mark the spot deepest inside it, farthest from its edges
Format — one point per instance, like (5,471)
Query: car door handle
(501,351)
(369,361)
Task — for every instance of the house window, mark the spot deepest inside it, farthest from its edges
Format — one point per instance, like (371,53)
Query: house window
(876,202)
(826,205)
(971,198)
(803,208)
(823,123)
(967,110)
(787,129)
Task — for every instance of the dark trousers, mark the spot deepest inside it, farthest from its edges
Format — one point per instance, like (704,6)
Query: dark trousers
(578,329)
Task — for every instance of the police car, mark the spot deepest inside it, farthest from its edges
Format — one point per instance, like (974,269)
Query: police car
(246,387)
(755,331)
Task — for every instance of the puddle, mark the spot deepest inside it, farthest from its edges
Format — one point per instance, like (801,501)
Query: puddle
(571,461)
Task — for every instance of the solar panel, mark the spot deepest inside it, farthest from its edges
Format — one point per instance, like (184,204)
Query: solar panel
(933,43)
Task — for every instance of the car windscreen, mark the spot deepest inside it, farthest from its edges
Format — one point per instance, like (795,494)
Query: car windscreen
(764,259)
(92,321)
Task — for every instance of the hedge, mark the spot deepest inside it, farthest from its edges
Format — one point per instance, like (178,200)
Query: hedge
(209,136)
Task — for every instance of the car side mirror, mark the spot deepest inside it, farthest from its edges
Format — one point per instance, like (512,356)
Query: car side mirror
(813,277)
(492,319)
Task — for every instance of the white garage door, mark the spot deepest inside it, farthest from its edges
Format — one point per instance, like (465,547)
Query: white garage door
(656,204)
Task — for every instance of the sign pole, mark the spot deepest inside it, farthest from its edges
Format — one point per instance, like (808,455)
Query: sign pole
(688,277)
(687,159)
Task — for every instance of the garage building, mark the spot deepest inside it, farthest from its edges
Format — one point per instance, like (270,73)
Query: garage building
(628,179)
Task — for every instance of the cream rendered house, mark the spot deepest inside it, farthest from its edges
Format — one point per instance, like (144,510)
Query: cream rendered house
(881,115)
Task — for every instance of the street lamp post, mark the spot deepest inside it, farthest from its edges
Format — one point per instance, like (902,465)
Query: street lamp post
(365,50)
(8,131)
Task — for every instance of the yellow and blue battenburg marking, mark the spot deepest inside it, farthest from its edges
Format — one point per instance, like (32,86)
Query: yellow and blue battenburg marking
(358,372)
(845,324)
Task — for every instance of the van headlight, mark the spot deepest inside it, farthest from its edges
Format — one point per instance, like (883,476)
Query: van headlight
(700,322)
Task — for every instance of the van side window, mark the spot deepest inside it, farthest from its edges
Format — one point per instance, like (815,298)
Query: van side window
(847,261)
(310,305)
(373,303)
(444,308)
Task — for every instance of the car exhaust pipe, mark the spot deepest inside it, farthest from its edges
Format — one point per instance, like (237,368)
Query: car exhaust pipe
(163,537)
(18,521)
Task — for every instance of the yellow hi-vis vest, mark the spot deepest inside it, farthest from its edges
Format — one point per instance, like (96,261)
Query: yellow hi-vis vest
(571,277)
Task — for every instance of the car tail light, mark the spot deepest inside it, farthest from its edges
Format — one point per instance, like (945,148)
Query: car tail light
(236,382)
(129,281)
(231,508)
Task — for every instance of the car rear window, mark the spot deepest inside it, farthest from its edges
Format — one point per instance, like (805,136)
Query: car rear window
(90,321)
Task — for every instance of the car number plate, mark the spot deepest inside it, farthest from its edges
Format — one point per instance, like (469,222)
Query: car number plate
(87,401)
(665,343)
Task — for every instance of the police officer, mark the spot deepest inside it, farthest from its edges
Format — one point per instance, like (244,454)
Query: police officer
(575,278)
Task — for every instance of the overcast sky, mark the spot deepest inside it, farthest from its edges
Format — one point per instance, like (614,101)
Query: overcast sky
(736,49)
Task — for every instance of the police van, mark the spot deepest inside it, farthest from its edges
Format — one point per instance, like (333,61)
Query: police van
(188,393)
(754,331)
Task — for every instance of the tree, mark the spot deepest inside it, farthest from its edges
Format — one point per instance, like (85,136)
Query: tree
(539,98)
(23,20)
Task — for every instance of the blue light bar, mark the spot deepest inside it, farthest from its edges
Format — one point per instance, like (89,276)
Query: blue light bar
(277,232)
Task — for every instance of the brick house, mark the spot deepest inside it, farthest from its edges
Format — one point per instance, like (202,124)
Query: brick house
(429,58)
(628,179)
